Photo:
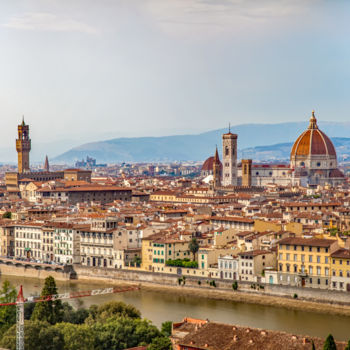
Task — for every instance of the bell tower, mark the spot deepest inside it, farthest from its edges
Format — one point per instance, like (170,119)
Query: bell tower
(23,147)
(229,159)
(216,170)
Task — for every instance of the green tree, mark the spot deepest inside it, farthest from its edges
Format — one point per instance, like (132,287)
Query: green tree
(313,347)
(7,215)
(193,246)
(76,337)
(112,309)
(329,344)
(167,328)
(160,343)
(348,346)
(70,315)
(122,333)
(8,294)
(38,335)
(50,310)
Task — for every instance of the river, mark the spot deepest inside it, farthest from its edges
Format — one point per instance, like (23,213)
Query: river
(160,306)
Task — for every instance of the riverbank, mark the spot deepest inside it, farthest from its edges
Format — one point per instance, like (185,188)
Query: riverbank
(235,296)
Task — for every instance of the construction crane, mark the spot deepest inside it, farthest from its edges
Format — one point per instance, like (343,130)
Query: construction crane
(20,301)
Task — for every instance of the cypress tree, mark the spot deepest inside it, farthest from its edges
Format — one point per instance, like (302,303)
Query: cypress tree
(50,311)
(329,344)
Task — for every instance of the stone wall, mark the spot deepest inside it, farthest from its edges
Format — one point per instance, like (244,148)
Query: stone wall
(312,294)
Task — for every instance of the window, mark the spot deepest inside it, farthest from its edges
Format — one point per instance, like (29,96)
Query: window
(310,258)
(326,260)
(295,257)
(318,259)
(318,270)
(310,270)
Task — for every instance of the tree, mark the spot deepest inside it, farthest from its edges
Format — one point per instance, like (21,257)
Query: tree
(38,335)
(76,337)
(167,328)
(7,313)
(122,333)
(193,247)
(313,346)
(329,344)
(112,309)
(348,346)
(74,316)
(7,215)
(50,311)
(160,343)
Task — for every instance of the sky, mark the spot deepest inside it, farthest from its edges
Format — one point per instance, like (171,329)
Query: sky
(87,70)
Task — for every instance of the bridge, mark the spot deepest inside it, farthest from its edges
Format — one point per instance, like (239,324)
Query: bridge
(66,270)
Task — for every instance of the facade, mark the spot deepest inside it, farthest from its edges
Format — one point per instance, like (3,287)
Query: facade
(246,172)
(253,263)
(229,159)
(28,241)
(305,262)
(7,240)
(66,244)
(228,266)
(340,267)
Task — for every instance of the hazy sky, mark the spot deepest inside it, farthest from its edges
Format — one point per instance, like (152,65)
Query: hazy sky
(92,69)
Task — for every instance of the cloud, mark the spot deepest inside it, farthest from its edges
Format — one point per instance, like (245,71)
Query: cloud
(43,21)
(219,16)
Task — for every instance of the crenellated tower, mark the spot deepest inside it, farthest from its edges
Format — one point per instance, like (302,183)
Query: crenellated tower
(23,147)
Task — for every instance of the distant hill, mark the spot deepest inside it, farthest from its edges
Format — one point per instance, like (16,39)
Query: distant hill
(257,141)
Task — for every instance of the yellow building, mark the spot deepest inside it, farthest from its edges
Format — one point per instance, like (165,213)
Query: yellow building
(340,267)
(305,261)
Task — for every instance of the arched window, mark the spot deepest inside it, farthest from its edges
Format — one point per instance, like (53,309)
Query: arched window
(226,151)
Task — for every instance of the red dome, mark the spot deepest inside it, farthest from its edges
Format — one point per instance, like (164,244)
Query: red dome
(208,164)
(313,142)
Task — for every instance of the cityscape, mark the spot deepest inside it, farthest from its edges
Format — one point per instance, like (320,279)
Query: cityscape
(180,230)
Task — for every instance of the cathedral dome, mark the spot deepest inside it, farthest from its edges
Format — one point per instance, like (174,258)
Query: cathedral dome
(313,148)
(208,165)
(313,141)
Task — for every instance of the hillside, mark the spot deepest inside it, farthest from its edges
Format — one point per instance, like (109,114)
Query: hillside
(257,141)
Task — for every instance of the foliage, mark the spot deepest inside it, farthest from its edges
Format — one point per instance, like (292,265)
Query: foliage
(329,344)
(7,215)
(182,263)
(50,311)
(199,282)
(7,313)
(38,335)
(313,347)
(137,261)
(122,333)
(160,343)
(193,247)
(212,283)
(295,296)
(71,315)
(76,337)
(167,328)
(235,285)
(112,309)
(348,346)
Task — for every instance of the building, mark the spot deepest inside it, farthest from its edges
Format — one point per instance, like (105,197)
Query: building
(207,167)
(23,147)
(217,166)
(228,266)
(7,240)
(313,161)
(340,267)
(305,262)
(194,334)
(229,159)
(253,263)
(28,241)
(313,157)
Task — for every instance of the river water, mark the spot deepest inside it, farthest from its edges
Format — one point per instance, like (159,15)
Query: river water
(160,306)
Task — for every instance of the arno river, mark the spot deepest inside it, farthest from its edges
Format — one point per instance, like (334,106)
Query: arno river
(160,306)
